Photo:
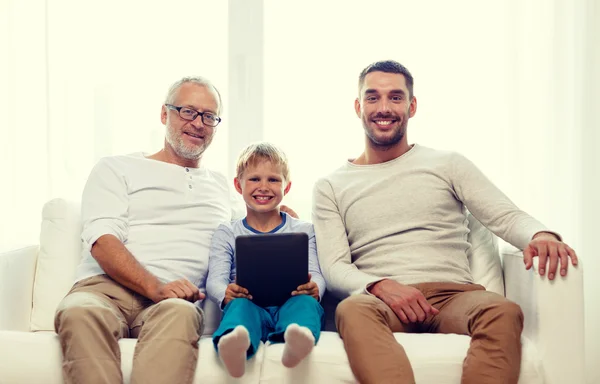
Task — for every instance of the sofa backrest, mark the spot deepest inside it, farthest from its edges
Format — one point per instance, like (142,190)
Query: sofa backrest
(60,252)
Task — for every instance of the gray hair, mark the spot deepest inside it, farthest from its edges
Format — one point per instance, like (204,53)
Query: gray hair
(197,80)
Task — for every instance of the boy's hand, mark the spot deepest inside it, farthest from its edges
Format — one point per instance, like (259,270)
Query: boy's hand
(311,288)
(235,291)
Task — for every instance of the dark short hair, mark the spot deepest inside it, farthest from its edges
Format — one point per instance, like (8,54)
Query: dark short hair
(387,66)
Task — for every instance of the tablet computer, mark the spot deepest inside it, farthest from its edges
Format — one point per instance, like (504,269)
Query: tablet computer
(272,265)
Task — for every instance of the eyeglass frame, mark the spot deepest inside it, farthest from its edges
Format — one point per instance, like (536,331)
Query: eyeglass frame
(201,114)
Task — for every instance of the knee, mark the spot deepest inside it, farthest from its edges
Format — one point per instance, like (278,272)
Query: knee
(81,309)
(304,300)
(512,311)
(507,312)
(178,308)
(355,305)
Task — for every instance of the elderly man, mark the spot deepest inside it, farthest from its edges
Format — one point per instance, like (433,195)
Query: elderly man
(147,225)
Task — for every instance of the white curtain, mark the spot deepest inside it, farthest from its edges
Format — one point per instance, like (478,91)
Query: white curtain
(504,82)
(86,80)
(23,131)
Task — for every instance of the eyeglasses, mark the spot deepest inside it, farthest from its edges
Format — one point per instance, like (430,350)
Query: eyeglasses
(208,118)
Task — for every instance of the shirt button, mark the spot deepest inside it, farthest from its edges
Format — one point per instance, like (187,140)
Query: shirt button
(187,169)
(190,186)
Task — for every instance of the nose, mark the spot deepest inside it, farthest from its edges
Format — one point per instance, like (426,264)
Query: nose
(264,185)
(197,122)
(383,105)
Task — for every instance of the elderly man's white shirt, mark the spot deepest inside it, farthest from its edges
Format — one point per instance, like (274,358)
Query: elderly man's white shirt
(165,214)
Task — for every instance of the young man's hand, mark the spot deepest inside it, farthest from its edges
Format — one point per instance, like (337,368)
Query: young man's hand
(408,303)
(288,210)
(551,252)
(311,288)
(235,291)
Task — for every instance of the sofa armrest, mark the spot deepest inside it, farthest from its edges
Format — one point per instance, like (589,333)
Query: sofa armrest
(17,273)
(554,318)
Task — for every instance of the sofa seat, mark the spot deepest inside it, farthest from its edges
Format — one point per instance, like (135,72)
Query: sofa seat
(435,358)
(34,357)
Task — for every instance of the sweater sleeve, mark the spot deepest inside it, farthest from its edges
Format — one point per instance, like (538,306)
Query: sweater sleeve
(220,264)
(313,263)
(492,207)
(104,205)
(342,276)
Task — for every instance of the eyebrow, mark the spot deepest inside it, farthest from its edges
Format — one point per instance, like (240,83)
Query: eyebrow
(197,110)
(371,91)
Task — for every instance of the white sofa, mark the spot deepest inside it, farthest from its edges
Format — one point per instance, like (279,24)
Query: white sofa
(34,279)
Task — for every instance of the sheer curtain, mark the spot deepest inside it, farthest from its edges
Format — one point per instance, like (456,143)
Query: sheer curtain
(495,81)
(23,131)
(506,83)
(87,80)
(511,84)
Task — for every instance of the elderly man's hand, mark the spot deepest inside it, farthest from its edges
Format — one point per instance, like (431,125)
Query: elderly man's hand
(551,252)
(178,289)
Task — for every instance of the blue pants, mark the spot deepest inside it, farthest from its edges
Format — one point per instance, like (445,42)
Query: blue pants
(270,323)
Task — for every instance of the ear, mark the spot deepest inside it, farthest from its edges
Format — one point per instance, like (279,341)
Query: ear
(412,109)
(357,107)
(238,185)
(163,115)
(287,188)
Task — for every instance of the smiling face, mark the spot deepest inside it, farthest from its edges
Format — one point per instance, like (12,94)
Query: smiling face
(189,139)
(384,106)
(262,185)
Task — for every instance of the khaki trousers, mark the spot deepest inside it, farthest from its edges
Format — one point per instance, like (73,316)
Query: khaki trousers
(494,323)
(98,311)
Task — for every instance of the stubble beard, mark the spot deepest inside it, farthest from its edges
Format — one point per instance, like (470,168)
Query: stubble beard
(387,142)
(193,152)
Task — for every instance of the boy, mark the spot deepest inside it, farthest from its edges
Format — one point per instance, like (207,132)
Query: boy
(262,180)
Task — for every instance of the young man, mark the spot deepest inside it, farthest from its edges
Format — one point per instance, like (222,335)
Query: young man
(391,231)
(147,225)
(262,180)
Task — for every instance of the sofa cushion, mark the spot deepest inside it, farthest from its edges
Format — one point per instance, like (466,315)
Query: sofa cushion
(60,252)
(28,357)
(435,358)
(484,257)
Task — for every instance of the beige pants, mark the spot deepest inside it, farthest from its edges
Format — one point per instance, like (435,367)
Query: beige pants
(494,323)
(98,312)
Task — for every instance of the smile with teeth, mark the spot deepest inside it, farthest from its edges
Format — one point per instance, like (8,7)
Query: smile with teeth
(193,135)
(262,198)
(383,123)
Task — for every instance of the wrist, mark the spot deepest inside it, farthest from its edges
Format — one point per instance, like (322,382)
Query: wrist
(375,288)
(546,235)
(151,287)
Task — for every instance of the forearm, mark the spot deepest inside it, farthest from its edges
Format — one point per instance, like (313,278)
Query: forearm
(318,279)
(215,290)
(122,266)
(344,280)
